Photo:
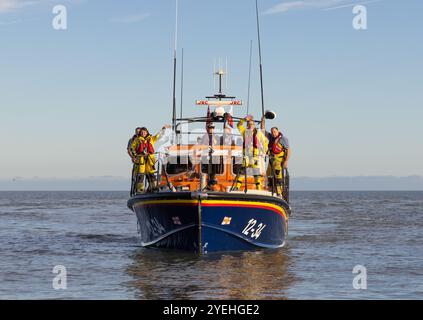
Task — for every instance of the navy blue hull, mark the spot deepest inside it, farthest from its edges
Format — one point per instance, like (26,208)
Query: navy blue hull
(218,223)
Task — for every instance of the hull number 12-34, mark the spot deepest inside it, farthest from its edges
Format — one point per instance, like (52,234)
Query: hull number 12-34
(252,230)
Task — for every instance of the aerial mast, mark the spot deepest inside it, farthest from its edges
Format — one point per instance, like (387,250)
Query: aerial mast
(249,78)
(182,82)
(174,73)
(261,65)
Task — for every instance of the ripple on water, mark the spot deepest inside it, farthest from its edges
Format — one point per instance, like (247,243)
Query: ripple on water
(95,236)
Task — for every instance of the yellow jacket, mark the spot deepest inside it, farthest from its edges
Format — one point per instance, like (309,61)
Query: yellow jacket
(147,140)
(248,137)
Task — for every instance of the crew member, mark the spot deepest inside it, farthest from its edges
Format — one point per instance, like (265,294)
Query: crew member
(143,150)
(279,153)
(135,166)
(211,140)
(255,146)
(131,140)
(227,139)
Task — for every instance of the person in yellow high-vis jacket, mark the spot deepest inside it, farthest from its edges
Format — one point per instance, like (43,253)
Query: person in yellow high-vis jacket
(279,153)
(255,146)
(144,157)
(132,156)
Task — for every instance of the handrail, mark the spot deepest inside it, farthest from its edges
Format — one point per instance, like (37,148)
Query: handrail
(264,161)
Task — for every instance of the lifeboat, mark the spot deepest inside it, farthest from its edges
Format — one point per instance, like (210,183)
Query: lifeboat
(197,206)
(208,198)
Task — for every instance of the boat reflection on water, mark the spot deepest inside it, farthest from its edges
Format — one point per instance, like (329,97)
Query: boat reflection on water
(166,274)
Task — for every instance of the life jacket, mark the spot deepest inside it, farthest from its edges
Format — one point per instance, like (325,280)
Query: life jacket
(254,142)
(251,139)
(229,120)
(145,146)
(275,145)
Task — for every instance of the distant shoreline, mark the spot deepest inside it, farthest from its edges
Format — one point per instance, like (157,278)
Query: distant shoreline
(112,191)
(364,183)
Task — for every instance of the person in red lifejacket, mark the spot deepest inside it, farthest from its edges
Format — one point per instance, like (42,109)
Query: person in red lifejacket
(144,156)
(279,153)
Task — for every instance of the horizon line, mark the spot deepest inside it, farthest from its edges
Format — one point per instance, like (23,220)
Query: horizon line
(20,178)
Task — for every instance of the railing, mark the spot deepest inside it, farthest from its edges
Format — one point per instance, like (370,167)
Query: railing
(263,169)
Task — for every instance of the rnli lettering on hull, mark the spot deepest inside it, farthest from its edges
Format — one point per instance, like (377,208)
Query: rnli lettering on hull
(190,311)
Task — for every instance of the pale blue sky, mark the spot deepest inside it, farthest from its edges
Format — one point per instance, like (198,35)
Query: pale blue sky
(350,101)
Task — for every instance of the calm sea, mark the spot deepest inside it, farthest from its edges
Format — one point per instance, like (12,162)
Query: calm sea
(94,236)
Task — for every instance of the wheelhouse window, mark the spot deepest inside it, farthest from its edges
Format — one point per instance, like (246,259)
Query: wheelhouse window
(178,165)
(236,165)
(216,166)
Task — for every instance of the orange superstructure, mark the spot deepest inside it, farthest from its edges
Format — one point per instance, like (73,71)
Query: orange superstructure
(189,163)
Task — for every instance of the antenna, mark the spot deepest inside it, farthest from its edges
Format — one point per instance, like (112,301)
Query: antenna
(249,78)
(174,72)
(261,65)
(220,74)
(214,75)
(182,81)
(226,87)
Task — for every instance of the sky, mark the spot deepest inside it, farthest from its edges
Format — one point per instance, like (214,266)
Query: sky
(350,101)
